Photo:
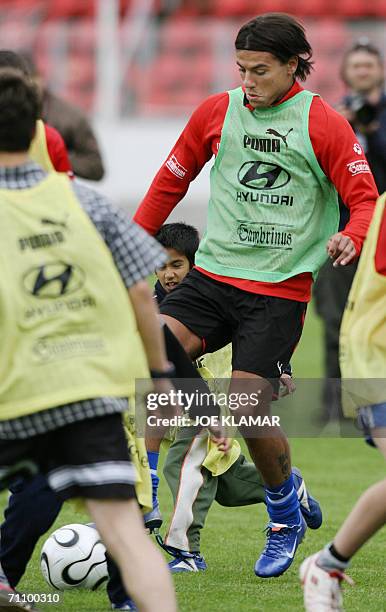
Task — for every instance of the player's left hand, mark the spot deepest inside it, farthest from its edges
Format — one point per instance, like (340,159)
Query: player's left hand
(223,444)
(286,387)
(341,249)
(218,435)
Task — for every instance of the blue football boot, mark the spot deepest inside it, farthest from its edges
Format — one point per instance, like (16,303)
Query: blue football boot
(309,506)
(279,552)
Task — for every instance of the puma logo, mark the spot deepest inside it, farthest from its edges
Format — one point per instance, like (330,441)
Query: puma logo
(47,221)
(275,133)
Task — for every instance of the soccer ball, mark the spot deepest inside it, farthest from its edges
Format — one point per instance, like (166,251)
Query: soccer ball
(74,556)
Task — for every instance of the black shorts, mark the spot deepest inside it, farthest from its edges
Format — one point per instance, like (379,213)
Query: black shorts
(264,330)
(88,459)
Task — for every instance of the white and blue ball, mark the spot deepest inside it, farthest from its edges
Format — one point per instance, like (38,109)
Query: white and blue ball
(74,557)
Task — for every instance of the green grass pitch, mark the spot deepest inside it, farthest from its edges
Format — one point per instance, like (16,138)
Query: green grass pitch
(336,471)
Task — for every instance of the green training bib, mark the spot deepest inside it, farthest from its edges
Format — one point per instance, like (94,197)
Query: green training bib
(272,208)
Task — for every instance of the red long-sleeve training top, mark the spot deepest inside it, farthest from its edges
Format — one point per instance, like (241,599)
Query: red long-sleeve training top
(337,151)
(57,150)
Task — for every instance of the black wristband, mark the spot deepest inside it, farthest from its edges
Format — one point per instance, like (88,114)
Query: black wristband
(168,373)
(287,369)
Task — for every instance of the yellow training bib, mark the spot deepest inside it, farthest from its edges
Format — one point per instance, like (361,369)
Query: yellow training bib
(67,327)
(38,150)
(363,331)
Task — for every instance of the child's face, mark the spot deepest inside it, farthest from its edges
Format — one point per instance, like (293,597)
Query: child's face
(174,271)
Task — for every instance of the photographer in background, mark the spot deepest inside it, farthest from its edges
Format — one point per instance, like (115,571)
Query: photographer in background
(365,105)
(365,108)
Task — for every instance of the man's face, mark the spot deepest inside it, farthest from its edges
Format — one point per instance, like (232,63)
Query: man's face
(264,77)
(174,271)
(363,71)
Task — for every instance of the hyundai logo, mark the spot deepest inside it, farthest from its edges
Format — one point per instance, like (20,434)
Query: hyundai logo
(53,280)
(263,175)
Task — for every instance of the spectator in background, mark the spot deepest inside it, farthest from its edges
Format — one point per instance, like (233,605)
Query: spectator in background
(365,108)
(73,125)
(47,147)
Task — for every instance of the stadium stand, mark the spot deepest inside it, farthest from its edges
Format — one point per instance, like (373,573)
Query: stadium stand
(186,56)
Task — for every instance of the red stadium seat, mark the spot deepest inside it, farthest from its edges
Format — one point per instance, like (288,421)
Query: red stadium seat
(311,8)
(18,25)
(173,82)
(230,8)
(186,34)
(379,7)
(61,9)
(82,35)
(20,4)
(353,8)
(328,36)
(79,88)
(271,6)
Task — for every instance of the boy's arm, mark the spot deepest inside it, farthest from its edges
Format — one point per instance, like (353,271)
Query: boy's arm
(146,314)
(150,330)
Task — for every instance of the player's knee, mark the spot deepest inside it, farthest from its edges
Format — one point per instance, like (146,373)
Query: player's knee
(251,397)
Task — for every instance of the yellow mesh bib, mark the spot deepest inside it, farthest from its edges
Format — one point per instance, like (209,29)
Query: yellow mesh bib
(38,150)
(66,319)
(363,330)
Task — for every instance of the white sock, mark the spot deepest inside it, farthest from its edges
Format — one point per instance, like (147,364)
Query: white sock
(328,561)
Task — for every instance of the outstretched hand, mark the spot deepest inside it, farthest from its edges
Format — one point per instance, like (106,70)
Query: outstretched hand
(341,249)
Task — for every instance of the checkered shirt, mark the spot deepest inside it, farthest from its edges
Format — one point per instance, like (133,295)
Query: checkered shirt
(135,254)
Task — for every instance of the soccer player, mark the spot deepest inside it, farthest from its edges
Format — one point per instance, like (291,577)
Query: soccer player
(198,475)
(363,360)
(281,156)
(33,497)
(181,243)
(72,353)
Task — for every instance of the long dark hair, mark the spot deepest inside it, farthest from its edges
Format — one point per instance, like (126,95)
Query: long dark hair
(279,34)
